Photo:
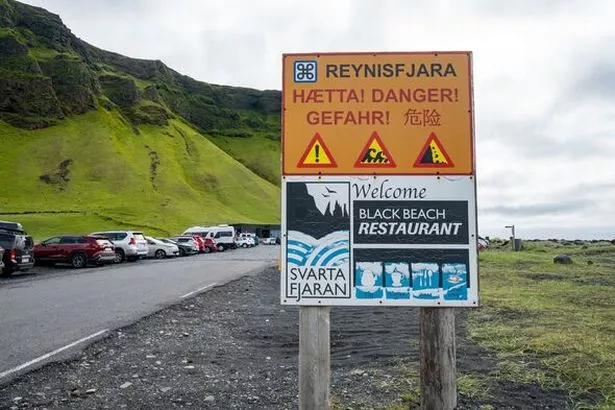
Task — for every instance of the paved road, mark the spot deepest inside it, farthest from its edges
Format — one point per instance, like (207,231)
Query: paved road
(58,306)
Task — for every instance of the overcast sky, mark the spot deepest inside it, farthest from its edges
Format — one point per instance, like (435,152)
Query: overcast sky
(544,74)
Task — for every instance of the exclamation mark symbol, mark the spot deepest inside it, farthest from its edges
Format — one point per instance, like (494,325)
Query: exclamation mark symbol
(456,95)
(317,153)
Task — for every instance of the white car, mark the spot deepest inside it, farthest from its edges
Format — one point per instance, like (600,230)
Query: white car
(223,235)
(269,241)
(159,249)
(129,245)
(245,242)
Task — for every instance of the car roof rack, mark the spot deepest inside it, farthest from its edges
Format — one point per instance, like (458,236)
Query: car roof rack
(11,226)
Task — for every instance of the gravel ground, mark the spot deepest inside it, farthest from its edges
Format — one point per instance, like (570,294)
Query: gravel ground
(236,347)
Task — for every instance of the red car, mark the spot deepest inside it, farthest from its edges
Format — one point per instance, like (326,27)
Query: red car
(200,242)
(206,245)
(210,245)
(76,250)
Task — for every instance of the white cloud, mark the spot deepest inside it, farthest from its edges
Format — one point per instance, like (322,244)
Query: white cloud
(543,71)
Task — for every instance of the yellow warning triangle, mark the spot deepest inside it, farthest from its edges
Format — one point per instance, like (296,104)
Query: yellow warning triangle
(375,154)
(433,155)
(317,155)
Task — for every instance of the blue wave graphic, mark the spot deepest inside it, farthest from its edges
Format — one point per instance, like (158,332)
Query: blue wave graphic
(331,250)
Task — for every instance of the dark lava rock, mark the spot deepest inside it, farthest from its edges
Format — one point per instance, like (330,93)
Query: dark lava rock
(563,259)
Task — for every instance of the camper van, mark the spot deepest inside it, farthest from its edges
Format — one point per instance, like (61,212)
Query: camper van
(223,235)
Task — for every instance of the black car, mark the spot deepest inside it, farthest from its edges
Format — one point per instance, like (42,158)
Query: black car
(17,246)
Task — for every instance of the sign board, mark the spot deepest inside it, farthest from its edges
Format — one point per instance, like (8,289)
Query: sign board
(384,240)
(377,114)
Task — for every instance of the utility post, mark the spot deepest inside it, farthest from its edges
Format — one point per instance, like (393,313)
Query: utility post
(512,228)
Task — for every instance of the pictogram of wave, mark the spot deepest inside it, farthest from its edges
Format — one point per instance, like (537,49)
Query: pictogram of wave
(330,250)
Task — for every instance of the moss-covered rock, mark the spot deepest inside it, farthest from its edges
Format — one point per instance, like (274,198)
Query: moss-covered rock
(14,53)
(148,114)
(151,93)
(74,83)
(27,122)
(29,95)
(121,90)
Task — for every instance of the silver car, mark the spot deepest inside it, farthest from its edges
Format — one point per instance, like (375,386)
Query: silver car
(129,245)
(159,249)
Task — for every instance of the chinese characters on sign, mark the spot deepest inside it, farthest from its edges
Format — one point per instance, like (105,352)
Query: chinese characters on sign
(424,117)
(404,98)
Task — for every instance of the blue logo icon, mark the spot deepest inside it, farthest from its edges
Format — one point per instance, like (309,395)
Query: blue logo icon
(305,71)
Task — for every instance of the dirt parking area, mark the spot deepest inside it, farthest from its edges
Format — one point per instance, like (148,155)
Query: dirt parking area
(236,347)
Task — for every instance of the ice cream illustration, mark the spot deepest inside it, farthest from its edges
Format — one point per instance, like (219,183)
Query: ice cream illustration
(368,279)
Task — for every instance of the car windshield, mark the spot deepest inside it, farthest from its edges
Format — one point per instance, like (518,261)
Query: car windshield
(139,236)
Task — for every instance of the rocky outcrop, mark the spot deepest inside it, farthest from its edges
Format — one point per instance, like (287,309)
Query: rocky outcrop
(121,90)
(74,83)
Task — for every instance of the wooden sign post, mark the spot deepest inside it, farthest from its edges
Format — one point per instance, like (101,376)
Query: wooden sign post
(314,358)
(438,370)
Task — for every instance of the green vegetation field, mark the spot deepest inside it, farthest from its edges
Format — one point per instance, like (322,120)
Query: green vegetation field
(91,139)
(551,324)
(158,178)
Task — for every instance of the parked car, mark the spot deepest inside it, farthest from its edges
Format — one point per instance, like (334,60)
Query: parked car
(210,245)
(482,243)
(187,240)
(17,245)
(201,242)
(160,250)
(269,241)
(185,248)
(245,242)
(129,245)
(78,250)
(1,259)
(250,235)
(223,235)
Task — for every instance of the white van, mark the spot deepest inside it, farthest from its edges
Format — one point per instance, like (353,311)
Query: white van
(223,235)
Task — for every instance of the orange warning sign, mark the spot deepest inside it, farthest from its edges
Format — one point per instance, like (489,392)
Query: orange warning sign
(433,155)
(316,155)
(375,154)
(402,96)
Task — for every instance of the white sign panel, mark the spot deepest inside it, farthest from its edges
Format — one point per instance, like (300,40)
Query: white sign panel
(386,240)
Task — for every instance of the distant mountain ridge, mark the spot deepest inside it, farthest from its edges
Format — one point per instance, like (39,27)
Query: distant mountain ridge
(50,80)
(71,74)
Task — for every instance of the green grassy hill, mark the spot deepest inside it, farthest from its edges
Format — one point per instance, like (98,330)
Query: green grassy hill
(90,139)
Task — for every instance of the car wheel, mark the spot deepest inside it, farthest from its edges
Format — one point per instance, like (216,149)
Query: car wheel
(78,260)
(220,248)
(119,256)
(182,252)
(207,250)
(160,254)
(245,245)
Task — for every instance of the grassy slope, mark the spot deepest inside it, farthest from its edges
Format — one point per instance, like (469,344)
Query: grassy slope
(257,148)
(195,181)
(260,154)
(551,324)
